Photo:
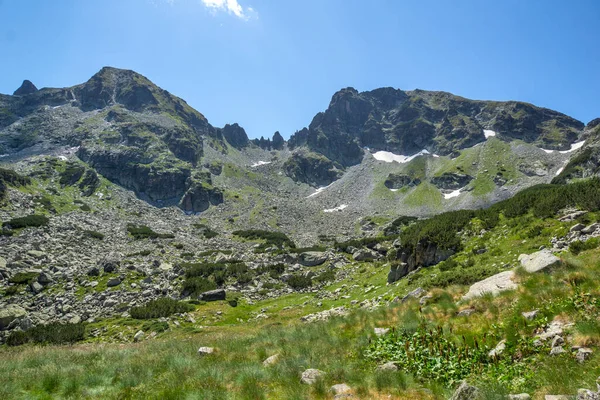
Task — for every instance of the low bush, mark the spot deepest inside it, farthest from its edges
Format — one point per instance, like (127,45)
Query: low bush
(297,281)
(271,238)
(33,220)
(197,285)
(158,308)
(326,276)
(23,277)
(578,246)
(144,232)
(54,333)
(155,326)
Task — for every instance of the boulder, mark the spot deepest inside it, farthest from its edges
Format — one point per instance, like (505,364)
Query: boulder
(520,396)
(112,282)
(381,331)
(585,394)
(583,354)
(340,388)
(577,228)
(312,258)
(213,295)
(271,360)
(466,392)
(539,261)
(10,313)
(311,376)
(530,315)
(498,350)
(365,255)
(415,294)
(591,228)
(388,366)
(138,336)
(494,284)
(397,272)
(204,351)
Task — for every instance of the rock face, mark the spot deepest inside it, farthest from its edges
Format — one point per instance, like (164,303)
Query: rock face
(539,261)
(425,254)
(408,122)
(466,392)
(10,313)
(494,285)
(398,181)
(451,181)
(311,168)
(235,135)
(27,87)
(213,295)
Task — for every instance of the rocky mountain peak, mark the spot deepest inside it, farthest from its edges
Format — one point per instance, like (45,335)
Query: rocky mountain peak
(27,87)
(235,135)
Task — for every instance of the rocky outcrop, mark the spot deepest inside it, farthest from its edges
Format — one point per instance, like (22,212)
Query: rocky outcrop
(493,285)
(539,261)
(425,254)
(9,314)
(277,142)
(398,181)
(451,180)
(311,168)
(27,87)
(235,135)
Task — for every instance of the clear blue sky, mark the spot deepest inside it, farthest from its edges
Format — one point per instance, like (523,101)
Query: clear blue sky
(273,64)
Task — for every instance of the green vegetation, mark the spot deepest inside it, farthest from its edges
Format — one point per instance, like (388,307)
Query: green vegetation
(158,308)
(54,333)
(578,246)
(144,232)
(298,281)
(270,238)
(26,222)
(23,277)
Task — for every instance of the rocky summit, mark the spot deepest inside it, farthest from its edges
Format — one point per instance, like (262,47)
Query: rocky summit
(405,245)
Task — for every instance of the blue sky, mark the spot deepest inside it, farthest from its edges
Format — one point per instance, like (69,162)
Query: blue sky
(273,64)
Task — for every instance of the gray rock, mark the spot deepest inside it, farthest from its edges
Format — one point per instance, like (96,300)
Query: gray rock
(272,360)
(585,394)
(539,261)
(311,376)
(530,315)
(2,263)
(557,351)
(415,294)
(213,295)
(365,255)
(591,228)
(138,336)
(112,282)
(388,366)
(381,331)
(312,258)
(9,314)
(340,388)
(466,312)
(520,396)
(583,354)
(93,271)
(466,392)
(557,397)
(557,341)
(36,287)
(494,284)
(204,351)
(577,228)
(498,350)
(44,278)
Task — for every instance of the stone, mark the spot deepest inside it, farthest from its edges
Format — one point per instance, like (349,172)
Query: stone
(415,294)
(311,376)
(520,396)
(577,228)
(204,351)
(557,341)
(466,392)
(93,271)
(583,354)
(585,394)
(112,282)
(554,329)
(9,314)
(272,360)
(498,350)
(539,261)
(36,254)
(2,263)
(312,258)
(466,312)
(557,397)
(44,278)
(388,366)
(340,388)
(365,255)
(139,335)
(494,285)
(591,228)
(557,351)
(36,287)
(381,331)
(530,315)
(213,295)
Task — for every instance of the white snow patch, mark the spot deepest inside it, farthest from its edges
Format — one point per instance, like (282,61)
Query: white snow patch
(574,146)
(394,190)
(559,171)
(259,163)
(452,194)
(488,133)
(338,208)
(63,158)
(436,156)
(389,157)
(319,190)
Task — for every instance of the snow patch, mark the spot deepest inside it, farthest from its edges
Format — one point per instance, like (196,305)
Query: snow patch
(454,193)
(389,157)
(338,208)
(488,133)
(435,156)
(63,158)
(319,190)
(394,190)
(259,163)
(3,155)
(574,146)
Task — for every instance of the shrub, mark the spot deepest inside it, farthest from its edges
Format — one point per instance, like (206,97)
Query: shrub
(158,308)
(94,235)
(278,239)
(297,281)
(155,326)
(326,276)
(196,286)
(274,270)
(144,232)
(54,333)
(28,221)
(578,246)
(23,277)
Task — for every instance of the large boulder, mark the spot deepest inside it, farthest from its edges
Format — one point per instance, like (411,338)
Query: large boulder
(312,258)
(213,295)
(365,255)
(493,285)
(467,392)
(311,376)
(539,261)
(10,313)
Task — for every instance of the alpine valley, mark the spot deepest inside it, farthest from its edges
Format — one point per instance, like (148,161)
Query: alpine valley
(405,245)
